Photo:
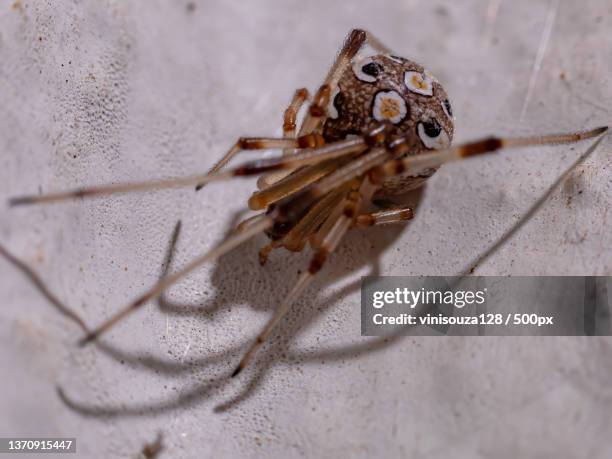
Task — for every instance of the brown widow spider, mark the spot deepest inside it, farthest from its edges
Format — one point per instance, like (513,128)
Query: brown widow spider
(378,126)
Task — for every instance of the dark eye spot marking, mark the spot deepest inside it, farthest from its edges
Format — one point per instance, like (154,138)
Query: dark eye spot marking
(339,101)
(432,128)
(432,135)
(336,104)
(367,69)
(372,68)
(447,106)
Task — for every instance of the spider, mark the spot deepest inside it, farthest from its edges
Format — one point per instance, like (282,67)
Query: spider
(378,126)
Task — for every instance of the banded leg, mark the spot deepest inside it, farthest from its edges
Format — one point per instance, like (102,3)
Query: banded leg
(306,176)
(294,182)
(289,132)
(297,237)
(317,109)
(385,217)
(312,120)
(290,116)
(253,228)
(243,144)
(287,209)
(413,165)
(353,43)
(349,209)
(304,157)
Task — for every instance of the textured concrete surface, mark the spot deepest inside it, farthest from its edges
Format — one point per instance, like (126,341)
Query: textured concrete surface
(100,91)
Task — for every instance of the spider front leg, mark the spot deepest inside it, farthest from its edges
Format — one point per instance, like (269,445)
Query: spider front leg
(317,111)
(255,226)
(247,230)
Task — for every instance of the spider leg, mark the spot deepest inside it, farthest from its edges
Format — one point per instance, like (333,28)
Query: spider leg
(349,207)
(294,183)
(307,138)
(290,116)
(250,228)
(317,110)
(289,132)
(303,177)
(375,43)
(385,217)
(249,144)
(296,238)
(413,165)
(289,208)
(244,224)
(255,227)
(304,157)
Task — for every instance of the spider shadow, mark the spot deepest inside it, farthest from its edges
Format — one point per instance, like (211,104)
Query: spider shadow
(360,249)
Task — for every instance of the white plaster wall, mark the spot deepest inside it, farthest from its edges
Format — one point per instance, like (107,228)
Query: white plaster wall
(100,91)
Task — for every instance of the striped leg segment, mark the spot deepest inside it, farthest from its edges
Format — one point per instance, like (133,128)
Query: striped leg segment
(247,144)
(307,139)
(304,157)
(290,116)
(413,165)
(300,179)
(289,132)
(353,43)
(317,110)
(289,208)
(297,237)
(385,217)
(349,208)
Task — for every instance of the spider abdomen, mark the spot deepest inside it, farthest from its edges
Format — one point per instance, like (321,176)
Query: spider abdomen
(394,90)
